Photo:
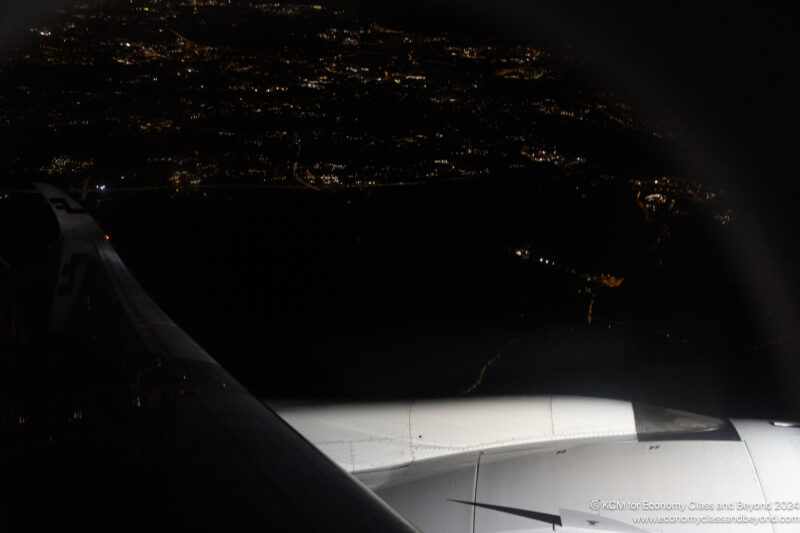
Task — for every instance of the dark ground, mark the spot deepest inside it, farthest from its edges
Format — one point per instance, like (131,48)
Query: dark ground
(409,292)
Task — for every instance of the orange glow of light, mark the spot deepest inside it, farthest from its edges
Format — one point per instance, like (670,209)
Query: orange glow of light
(107,237)
(492,360)
(589,314)
(610,281)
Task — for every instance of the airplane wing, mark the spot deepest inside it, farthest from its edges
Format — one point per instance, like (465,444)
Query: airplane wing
(136,427)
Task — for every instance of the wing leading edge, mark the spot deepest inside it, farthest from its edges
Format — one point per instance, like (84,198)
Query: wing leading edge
(213,456)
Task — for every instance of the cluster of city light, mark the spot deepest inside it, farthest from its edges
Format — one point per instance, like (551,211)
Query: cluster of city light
(296,89)
(66,164)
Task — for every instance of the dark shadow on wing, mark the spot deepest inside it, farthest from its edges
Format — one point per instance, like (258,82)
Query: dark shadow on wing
(122,422)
